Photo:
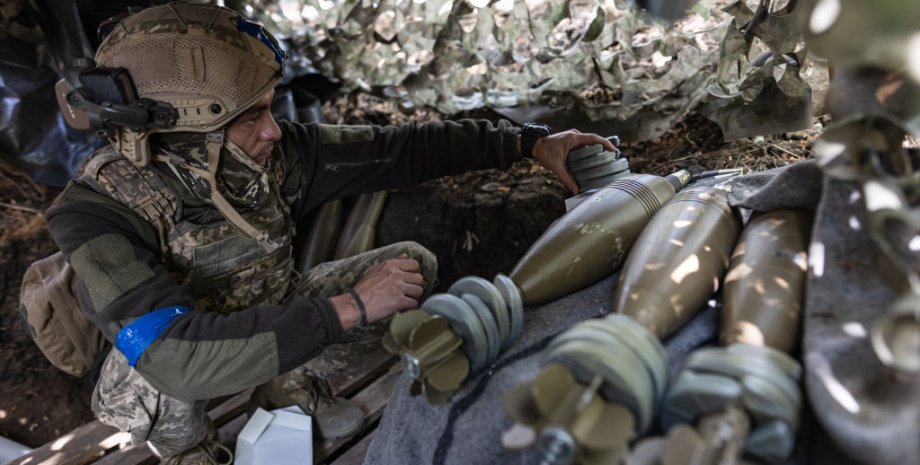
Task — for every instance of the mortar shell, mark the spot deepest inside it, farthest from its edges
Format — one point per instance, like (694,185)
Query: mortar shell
(587,151)
(320,240)
(602,182)
(590,241)
(764,286)
(359,233)
(602,171)
(678,261)
(602,158)
(765,283)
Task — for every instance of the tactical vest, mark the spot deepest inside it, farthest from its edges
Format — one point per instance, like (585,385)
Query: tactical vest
(226,270)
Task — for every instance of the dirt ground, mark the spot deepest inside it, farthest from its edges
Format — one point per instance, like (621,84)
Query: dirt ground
(38,403)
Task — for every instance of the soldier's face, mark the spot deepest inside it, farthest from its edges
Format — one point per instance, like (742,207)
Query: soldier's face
(255,130)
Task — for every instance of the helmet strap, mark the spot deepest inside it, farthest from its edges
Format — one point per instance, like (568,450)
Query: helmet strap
(215,140)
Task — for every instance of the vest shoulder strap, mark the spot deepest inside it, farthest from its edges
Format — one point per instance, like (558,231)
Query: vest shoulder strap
(140,188)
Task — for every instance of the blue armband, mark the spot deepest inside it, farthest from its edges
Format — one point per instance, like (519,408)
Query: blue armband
(134,338)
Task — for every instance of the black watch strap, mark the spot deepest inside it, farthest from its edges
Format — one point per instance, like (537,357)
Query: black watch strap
(530,134)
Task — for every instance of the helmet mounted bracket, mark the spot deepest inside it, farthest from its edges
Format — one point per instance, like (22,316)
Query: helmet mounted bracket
(105,101)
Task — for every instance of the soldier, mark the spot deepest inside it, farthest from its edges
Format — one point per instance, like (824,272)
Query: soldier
(180,232)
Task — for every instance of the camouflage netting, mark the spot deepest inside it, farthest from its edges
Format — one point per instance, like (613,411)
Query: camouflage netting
(604,64)
(596,61)
(767,81)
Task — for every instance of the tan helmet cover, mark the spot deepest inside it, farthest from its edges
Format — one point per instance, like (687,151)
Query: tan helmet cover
(206,61)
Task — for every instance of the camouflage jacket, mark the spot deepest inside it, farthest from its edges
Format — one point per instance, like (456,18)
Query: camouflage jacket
(230,342)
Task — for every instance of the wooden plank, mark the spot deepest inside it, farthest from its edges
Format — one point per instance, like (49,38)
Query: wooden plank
(230,408)
(82,445)
(372,401)
(133,455)
(224,413)
(351,367)
(355,455)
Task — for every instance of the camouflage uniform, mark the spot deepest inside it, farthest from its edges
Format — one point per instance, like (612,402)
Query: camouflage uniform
(210,257)
(144,238)
(181,243)
(125,400)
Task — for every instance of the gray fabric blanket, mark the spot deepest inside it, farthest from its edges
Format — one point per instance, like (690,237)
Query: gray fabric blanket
(871,414)
(857,414)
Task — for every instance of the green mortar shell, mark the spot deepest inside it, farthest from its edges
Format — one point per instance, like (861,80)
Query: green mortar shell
(678,261)
(590,241)
(320,240)
(765,283)
(360,230)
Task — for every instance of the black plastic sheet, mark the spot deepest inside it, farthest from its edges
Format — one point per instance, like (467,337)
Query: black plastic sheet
(33,135)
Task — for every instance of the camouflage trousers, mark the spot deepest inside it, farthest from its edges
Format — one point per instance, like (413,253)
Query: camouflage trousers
(333,278)
(124,400)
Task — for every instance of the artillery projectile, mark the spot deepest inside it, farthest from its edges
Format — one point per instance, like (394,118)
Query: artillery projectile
(685,246)
(677,262)
(600,389)
(762,301)
(567,420)
(322,236)
(455,334)
(359,232)
(759,381)
(583,246)
(752,376)
(593,239)
(593,167)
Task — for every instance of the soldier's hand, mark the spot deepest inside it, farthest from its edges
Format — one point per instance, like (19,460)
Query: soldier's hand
(552,150)
(386,288)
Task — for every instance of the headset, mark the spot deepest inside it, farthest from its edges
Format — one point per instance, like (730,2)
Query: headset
(105,100)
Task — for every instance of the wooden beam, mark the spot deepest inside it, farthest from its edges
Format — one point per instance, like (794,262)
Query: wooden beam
(348,368)
(78,447)
(351,366)
(372,401)
(356,453)
(131,455)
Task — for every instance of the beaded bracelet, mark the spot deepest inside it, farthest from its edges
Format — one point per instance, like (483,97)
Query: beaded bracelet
(361,308)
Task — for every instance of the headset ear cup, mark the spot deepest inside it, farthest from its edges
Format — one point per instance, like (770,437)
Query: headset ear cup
(76,118)
(112,85)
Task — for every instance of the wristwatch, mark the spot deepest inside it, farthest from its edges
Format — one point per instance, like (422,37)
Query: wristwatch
(530,134)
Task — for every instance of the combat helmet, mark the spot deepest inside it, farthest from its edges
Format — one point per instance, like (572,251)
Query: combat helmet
(191,67)
(178,67)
